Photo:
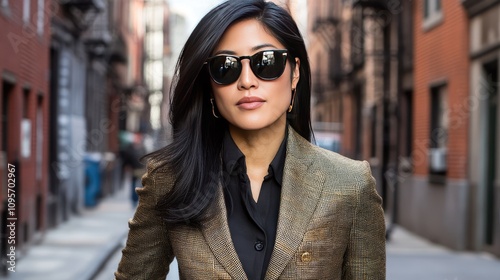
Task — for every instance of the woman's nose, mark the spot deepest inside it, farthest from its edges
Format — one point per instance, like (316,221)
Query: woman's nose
(247,78)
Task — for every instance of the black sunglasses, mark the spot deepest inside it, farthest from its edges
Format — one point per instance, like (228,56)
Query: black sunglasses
(267,65)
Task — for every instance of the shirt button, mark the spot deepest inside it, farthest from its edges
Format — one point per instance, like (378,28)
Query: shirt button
(259,246)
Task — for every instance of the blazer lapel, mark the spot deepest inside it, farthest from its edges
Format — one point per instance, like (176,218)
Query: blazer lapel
(217,235)
(301,190)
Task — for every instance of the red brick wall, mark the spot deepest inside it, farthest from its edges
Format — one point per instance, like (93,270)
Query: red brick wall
(25,54)
(441,53)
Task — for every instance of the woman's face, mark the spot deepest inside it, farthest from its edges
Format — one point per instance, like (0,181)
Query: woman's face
(251,103)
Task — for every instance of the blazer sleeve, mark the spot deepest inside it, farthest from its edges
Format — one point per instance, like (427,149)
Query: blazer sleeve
(147,254)
(365,255)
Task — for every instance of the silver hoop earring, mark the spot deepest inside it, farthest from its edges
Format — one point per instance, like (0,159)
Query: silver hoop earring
(293,98)
(213,108)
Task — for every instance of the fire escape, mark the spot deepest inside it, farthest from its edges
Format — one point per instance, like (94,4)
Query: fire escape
(326,28)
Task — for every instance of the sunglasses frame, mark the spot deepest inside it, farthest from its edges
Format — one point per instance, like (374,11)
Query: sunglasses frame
(283,52)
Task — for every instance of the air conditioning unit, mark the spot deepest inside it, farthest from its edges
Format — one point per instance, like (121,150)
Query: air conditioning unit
(437,159)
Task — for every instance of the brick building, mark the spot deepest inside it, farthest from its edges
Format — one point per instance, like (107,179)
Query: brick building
(115,77)
(324,48)
(24,107)
(358,82)
(69,70)
(418,87)
(71,76)
(434,199)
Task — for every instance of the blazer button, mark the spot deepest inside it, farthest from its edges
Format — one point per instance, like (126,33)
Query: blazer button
(306,257)
(259,246)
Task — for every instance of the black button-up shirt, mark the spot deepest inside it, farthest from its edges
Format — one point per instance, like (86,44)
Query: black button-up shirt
(252,224)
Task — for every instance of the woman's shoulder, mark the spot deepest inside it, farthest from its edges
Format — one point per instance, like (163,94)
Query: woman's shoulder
(342,172)
(159,176)
(338,169)
(324,157)
(332,158)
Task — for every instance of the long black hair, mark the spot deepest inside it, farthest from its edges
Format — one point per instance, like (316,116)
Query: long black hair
(194,155)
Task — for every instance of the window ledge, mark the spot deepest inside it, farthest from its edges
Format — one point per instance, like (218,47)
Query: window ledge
(432,21)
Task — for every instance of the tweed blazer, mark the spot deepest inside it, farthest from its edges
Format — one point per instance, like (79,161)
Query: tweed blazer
(330,226)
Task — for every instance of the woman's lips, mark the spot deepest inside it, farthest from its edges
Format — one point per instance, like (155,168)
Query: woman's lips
(250,103)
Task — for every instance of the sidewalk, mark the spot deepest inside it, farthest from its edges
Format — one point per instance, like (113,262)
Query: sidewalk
(411,257)
(78,248)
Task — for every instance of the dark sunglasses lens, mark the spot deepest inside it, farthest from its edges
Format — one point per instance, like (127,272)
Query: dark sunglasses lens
(268,65)
(224,69)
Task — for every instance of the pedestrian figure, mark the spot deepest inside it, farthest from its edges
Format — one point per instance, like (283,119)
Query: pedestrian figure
(131,156)
(241,193)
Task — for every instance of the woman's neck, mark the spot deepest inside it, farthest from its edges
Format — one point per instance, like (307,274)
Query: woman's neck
(259,146)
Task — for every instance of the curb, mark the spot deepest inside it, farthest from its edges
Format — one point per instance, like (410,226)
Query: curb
(103,257)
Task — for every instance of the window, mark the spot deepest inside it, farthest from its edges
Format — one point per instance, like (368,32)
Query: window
(39,137)
(407,122)
(26,93)
(438,134)
(26,11)
(40,17)
(406,133)
(26,126)
(433,14)
(5,115)
(4,8)
(431,8)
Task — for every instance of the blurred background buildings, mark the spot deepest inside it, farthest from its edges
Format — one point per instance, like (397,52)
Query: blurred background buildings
(80,82)
(410,86)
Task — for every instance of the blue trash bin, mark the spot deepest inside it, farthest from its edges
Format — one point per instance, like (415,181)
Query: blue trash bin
(92,180)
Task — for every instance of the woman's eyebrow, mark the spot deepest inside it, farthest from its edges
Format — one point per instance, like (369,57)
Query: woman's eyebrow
(258,47)
(224,52)
(254,49)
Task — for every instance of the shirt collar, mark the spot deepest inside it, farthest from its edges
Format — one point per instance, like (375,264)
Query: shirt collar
(278,162)
(232,155)
(233,158)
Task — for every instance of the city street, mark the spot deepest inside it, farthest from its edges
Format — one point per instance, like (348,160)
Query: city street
(87,87)
(409,257)
(89,247)
(79,247)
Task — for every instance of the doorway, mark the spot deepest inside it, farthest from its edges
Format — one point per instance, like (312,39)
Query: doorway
(5,118)
(491,151)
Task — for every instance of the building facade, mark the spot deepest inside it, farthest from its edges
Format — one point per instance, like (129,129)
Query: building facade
(418,87)
(69,70)
(356,48)
(73,91)
(98,97)
(154,73)
(125,82)
(325,31)
(24,110)
(484,125)
(434,198)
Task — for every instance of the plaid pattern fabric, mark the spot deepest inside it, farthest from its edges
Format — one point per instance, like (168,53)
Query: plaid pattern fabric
(330,226)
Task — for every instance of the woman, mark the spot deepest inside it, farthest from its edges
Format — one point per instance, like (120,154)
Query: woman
(241,193)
